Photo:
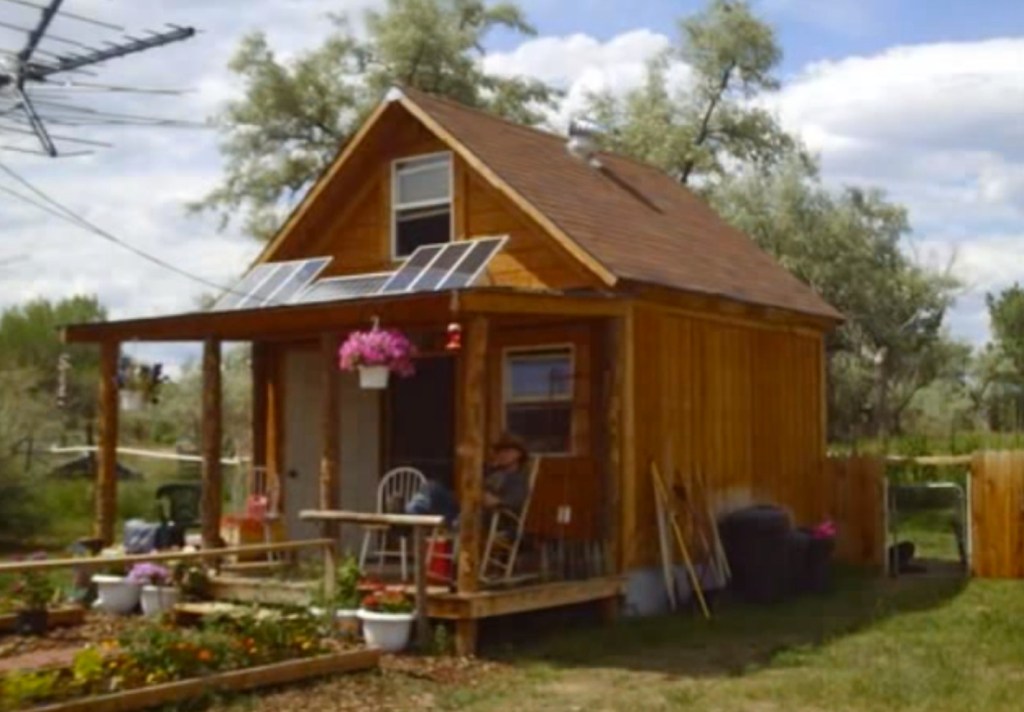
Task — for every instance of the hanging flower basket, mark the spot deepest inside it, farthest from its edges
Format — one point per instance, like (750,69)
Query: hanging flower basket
(377,353)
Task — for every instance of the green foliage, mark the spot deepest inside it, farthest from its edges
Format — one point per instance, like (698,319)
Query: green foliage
(34,591)
(22,687)
(700,128)
(295,114)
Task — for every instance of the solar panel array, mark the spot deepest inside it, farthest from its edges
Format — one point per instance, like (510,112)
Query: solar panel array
(430,268)
(271,284)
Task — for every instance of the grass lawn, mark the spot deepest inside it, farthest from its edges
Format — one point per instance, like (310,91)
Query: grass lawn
(913,644)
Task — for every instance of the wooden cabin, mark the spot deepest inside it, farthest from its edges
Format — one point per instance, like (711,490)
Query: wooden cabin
(664,334)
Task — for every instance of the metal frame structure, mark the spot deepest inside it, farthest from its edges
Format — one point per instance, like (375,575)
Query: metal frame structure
(32,66)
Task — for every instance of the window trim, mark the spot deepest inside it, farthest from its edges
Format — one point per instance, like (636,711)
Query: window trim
(560,399)
(394,207)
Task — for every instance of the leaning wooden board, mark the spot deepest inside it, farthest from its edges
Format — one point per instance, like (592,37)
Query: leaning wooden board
(235,681)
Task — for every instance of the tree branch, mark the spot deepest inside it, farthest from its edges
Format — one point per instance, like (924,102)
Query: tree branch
(705,124)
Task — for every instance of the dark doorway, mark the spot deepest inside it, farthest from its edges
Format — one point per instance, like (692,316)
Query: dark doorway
(420,419)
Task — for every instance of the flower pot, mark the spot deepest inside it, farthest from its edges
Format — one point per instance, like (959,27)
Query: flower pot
(375,377)
(387,631)
(131,400)
(116,594)
(346,621)
(158,599)
(32,622)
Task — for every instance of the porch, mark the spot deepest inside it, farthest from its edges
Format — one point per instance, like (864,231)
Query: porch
(333,457)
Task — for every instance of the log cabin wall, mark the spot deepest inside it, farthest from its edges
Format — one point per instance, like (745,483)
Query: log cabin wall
(351,221)
(572,480)
(740,403)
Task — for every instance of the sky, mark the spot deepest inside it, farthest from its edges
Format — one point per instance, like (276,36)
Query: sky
(921,98)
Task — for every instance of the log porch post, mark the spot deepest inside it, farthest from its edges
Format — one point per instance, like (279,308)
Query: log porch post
(471,442)
(213,484)
(105,493)
(259,370)
(330,455)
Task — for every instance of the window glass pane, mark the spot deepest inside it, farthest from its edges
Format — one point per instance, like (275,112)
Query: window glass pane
(423,180)
(546,428)
(415,228)
(540,375)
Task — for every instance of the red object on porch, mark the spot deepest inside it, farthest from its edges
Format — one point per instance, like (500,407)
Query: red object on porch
(439,562)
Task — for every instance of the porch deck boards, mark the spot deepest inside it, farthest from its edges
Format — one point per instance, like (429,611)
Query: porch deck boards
(441,603)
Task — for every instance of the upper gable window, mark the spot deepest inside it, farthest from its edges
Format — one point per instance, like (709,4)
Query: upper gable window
(421,205)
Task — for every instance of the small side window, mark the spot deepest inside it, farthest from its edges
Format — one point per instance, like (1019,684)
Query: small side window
(539,398)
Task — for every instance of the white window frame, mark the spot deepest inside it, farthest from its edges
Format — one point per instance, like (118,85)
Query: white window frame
(396,206)
(539,350)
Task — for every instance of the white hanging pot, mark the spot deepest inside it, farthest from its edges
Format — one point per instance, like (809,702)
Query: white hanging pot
(374,377)
(116,594)
(158,599)
(131,400)
(387,631)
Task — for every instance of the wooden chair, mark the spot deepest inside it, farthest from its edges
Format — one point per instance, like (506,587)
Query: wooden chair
(501,550)
(395,490)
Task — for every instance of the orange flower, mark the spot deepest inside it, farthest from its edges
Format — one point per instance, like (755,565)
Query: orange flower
(204,655)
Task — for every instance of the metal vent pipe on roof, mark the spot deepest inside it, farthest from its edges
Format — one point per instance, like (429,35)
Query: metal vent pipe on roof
(582,141)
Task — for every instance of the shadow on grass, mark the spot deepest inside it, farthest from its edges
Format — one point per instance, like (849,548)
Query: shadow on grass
(740,637)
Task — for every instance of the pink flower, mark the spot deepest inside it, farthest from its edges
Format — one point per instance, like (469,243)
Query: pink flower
(378,347)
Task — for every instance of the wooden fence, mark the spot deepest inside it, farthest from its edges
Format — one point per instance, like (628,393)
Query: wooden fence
(997,514)
(854,498)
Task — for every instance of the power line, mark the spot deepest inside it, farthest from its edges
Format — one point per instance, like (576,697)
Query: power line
(61,211)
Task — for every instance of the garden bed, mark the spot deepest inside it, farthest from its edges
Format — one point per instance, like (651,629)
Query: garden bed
(133,663)
(234,681)
(56,618)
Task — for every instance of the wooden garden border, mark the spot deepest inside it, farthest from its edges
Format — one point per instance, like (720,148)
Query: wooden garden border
(55,618)
(234,681)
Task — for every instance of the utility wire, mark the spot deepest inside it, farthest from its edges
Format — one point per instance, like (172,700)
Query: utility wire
(68,215)
(69,15)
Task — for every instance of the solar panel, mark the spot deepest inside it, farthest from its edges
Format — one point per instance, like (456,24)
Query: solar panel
(259,295)
(408,273)
(271,283)
(472,263)
(231,298)
(435,273)
(307,271)
(340,288)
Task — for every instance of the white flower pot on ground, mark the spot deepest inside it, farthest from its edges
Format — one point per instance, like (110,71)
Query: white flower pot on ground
(158,599)
(387,631)
(116,594)
(373,377)
(346,620)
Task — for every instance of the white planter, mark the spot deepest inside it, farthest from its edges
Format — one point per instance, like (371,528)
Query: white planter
(116,594)
(131,400)
(375,377)
(158,599)
(387,631)
(346,620)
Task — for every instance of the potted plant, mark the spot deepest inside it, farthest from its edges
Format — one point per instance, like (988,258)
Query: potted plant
(33,592)
(158,593)
(376,354)
(387,616)
(116,594)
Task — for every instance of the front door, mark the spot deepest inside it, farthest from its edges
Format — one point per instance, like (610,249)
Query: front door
(421,419)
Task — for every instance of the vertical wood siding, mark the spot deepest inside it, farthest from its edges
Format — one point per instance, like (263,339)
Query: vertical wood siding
(997,514)
(741,405)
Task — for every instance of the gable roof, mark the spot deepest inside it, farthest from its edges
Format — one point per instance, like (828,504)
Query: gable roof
(623,220)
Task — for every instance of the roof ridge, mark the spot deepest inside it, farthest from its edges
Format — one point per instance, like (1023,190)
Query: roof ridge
(484,112)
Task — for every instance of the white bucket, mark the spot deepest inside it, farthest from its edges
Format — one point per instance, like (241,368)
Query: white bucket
(387,631)
(375,377)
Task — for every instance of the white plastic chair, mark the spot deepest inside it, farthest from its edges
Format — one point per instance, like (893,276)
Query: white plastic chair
(395,490)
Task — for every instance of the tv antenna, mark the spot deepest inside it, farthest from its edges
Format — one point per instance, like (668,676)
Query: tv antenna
(36,76)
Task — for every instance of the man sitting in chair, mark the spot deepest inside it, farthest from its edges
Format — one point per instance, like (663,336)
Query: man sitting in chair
(505,484)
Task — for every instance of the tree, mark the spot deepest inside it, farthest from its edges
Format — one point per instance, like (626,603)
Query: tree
(701,128)
(294,115)
(1006,315)
(30,343)
(849,247)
